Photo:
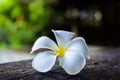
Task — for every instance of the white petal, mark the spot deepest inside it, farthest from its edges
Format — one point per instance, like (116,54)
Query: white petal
(72,62)
(63,37)
(44,61)
(43,43)
(79,44)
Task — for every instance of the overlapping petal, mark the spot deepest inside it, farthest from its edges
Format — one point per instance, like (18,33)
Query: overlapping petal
(44,61)
(72,62)
(63,37)
(78,44)
(43,43)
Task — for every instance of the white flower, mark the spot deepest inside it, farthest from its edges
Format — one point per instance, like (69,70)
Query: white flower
(70,52)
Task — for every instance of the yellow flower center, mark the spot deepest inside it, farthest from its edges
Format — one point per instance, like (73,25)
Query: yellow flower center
(60,51)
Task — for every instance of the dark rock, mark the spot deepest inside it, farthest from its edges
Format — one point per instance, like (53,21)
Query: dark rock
(104,65)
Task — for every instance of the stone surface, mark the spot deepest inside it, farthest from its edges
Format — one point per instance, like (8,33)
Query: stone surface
(12,56)
(104,65)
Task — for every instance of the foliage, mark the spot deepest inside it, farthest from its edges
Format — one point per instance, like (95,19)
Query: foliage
(20,21)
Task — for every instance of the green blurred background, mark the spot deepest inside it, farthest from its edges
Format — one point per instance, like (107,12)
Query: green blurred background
(23,21)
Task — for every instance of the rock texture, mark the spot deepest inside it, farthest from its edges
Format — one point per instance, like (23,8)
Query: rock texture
(104,65)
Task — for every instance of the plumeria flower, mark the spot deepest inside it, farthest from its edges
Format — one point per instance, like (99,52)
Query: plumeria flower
(70,52)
